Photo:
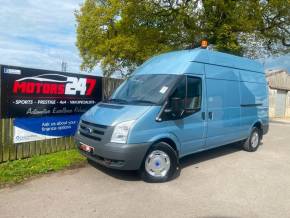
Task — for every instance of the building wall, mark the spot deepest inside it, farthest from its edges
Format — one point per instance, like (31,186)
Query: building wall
(272,103)
(272,95)
(288,105)
(278,80)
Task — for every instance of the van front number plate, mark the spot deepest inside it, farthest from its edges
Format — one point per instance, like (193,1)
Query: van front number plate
(86,148)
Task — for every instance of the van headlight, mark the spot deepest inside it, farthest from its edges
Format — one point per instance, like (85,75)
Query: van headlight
(121,131)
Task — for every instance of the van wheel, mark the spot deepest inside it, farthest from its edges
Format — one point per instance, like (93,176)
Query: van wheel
(160,163)
(253,142)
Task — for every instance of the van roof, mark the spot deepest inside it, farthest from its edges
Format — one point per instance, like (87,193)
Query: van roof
(178,62)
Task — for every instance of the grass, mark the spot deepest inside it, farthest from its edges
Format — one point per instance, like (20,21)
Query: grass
(19,170)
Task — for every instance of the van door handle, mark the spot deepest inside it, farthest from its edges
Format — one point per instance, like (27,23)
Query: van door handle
(210,115)
(203,115)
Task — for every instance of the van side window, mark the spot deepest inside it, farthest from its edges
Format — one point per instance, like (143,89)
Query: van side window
(194,93)
(190,90)
(180,91)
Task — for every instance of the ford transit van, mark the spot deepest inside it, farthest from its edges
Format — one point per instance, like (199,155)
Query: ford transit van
(173,105)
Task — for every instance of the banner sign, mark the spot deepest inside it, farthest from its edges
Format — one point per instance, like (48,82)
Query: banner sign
(29,92)
(35,129)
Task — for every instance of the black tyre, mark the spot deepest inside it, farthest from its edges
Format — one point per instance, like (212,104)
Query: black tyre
(254,140)
(160,164)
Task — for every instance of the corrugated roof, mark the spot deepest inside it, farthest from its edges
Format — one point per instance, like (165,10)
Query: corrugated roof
(279,79)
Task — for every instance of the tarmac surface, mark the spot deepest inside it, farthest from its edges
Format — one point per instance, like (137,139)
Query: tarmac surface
(224,182)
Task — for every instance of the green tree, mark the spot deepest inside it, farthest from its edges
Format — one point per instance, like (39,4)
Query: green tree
(122,34)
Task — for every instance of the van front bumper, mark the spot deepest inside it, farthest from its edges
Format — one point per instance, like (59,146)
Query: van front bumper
(114,155)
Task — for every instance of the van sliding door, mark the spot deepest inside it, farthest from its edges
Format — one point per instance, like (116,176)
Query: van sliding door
(223,105)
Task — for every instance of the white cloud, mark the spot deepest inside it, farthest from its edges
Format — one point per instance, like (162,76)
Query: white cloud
(39,33)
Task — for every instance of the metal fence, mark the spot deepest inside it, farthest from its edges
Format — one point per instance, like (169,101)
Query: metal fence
(10,151)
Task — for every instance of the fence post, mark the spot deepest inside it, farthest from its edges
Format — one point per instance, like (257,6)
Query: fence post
(1,142)
(12,146)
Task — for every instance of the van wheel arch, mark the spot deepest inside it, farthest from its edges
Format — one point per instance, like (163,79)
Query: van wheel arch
(169,142)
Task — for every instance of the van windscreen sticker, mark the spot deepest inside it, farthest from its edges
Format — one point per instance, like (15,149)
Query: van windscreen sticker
(163,89)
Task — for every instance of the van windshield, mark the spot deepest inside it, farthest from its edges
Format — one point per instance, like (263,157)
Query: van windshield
(144,89)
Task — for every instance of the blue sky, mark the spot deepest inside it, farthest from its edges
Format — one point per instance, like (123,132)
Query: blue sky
(280,62)
(40,34)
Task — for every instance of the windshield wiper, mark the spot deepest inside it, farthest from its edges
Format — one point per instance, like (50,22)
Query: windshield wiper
(143,101)
(118,100)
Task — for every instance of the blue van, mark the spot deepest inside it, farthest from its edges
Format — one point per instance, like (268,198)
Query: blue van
(173,105)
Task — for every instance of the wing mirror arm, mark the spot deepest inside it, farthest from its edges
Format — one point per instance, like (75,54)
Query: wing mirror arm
(159,115)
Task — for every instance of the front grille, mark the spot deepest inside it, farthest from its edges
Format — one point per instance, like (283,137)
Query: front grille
(92,130)
(94,124)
